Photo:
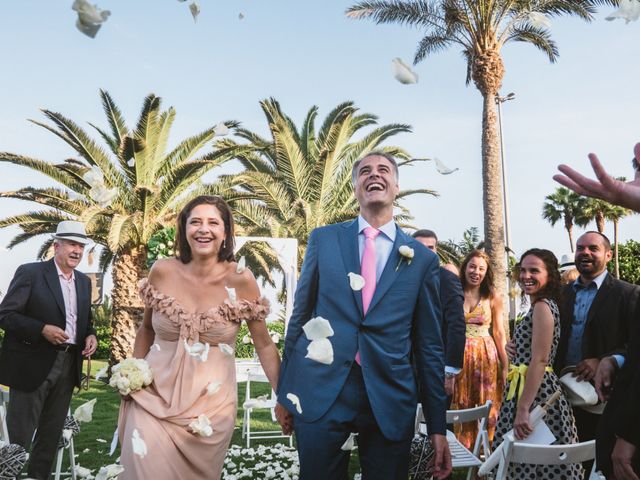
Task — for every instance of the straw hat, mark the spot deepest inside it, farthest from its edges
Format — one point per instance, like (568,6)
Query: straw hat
(73,231)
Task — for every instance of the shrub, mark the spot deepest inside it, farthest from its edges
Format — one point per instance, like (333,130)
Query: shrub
(244,344)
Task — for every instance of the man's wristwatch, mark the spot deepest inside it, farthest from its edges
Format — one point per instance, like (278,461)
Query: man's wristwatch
(449,374)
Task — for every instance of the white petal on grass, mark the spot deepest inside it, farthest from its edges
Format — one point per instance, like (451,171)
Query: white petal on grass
(138,444)
(82,472)
(114,444)
(220,130)
(442,168)
(317,328)
(198,350)
(356,282)
(293,398)
(539,20)
(213,387)
(403,73)
(202,426)
(195,10)
(226,349)
(350,443)
(101,440)
(246,340)
(242,265)
(628,10)
(84,413)
(101,373)
(321,351)
(109,471)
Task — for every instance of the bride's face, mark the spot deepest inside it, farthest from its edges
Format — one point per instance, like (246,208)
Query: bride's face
(205,230)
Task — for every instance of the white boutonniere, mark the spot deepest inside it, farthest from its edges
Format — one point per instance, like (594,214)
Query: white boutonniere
(406,253)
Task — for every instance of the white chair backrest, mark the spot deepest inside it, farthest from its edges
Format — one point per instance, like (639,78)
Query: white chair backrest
(553,454)
(4,431)
(469,414)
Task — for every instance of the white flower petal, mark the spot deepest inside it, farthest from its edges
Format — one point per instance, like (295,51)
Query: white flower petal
(242,264)
(246,340)
(220,130)
(82,472)
(350,443)
(109,471)
(138,444)
(356,281)
(628,10)
(101,373)
(156,347)
(226,349)
(240,16)
(101,440)
(539,20)
(202,426)
(195,10)
(317,328)
(93,176)
(442,168)
(275,338)
(131,162)
(67,434)
(213,387)
(321,351)
(406,251)
(231,293)
(296,402)
(403,73)
(84,412)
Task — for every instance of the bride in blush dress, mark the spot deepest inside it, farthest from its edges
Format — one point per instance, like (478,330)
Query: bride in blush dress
(194,305)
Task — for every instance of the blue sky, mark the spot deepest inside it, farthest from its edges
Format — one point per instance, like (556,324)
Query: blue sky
(309,53)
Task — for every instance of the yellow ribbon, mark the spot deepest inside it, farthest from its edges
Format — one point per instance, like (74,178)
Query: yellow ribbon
(516,377)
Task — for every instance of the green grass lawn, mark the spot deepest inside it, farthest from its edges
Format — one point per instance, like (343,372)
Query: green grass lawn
(93,441)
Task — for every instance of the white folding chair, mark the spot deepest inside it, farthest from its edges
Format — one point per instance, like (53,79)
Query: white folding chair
(516,452)
(72,457)
(461,457)
(255,403)
(4,431)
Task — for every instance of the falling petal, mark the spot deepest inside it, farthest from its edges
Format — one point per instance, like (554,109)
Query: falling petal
(293,398)
(350,443)
(246,339)
(321,351)
(231,293)
(84,413)
(202,426)
(109,471)
(275,338)
(226,349)
(198,350)
(317,328)
(220,130)
(403,73)
(114,443)
(242,264)
(356,281)
(213,387)
(93,176)
(138,444)
(240,16)
(102,372)
(155,347)
(131,162)
(628,10)
(195,10)
(90,17)
(539,20)
(442,168)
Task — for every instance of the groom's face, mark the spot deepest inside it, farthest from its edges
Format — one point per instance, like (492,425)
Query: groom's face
(376,182)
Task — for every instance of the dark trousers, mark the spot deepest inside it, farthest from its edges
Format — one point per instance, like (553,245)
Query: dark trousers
(320,442)
(43,411)
(587,425)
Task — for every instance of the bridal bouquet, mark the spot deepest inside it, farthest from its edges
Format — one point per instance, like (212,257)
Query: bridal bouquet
(131,375)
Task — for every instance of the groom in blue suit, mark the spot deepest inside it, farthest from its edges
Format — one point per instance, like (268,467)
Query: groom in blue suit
(364,380)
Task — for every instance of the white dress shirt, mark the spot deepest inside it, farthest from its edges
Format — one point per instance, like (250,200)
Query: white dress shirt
(68,286)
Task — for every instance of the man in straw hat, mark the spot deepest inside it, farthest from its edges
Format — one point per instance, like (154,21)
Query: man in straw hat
(46,316)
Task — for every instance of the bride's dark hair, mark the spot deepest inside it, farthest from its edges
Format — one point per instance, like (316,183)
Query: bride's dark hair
(183,251)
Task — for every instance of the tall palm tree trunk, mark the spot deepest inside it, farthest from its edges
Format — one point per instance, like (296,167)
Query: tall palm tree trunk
(128,269)
(600,222)
(569,228)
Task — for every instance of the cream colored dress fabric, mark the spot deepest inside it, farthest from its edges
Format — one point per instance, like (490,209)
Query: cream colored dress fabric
(163,411)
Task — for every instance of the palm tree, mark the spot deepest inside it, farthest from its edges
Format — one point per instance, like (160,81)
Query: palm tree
(614,215)
(564,205)
(148,183)
(593,209)
(300,178)
(480,29)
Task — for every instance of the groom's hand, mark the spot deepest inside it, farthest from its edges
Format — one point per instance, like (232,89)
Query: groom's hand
(442,461)
(285,419)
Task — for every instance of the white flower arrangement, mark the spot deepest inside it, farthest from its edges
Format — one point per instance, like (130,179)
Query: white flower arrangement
(131,375)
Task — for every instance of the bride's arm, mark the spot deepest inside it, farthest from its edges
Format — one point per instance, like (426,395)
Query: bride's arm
(144,337)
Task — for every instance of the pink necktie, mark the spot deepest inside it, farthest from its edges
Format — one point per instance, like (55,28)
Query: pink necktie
(368,270)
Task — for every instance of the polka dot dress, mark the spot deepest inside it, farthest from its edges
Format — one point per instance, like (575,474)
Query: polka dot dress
(559,418)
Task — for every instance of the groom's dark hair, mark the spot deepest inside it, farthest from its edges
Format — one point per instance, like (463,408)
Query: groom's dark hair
(392,161)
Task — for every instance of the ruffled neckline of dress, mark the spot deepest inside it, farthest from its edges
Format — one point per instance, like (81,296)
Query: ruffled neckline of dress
(191,324)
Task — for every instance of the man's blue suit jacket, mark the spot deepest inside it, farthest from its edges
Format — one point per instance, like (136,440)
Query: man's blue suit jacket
(405,306)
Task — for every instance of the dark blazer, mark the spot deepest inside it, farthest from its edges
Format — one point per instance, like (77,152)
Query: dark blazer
(403,320)
(610,316)
(33,300)
(621,416)
(453,324)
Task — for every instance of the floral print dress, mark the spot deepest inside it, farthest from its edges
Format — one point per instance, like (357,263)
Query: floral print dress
(479,379)
(163,411)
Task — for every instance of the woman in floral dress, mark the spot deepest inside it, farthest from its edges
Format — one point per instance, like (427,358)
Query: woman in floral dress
(531,378)
(194,305)
(485,360)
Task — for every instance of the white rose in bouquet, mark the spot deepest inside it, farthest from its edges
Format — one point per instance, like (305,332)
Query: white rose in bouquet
(131,375)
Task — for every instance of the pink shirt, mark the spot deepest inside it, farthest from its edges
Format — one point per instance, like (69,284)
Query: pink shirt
(68,287)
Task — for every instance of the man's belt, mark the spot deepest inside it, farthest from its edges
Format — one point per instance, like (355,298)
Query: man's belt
(66,347)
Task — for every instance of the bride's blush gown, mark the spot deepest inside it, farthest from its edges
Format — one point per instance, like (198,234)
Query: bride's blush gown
(163,411)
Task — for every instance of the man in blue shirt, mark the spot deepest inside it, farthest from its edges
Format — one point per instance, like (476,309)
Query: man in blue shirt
(597,312)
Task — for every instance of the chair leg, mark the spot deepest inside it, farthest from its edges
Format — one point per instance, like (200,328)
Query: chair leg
(58,464)
(72,459)
(248,412)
